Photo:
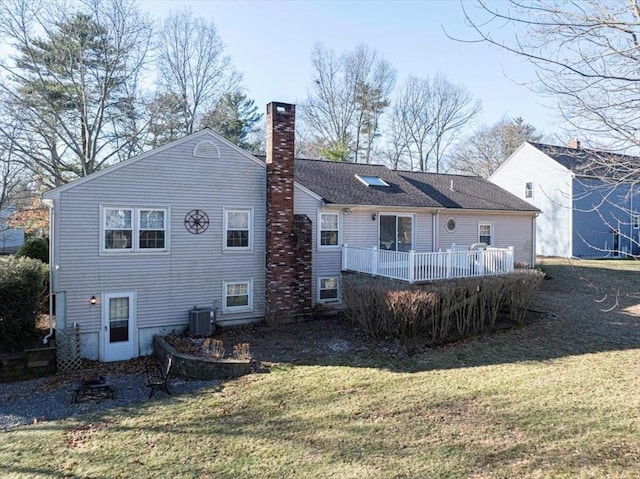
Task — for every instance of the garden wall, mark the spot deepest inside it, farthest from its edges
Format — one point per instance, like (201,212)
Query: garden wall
(193,367)
(30,364)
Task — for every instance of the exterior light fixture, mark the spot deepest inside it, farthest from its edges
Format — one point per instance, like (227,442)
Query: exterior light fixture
(373,217)
(93,301)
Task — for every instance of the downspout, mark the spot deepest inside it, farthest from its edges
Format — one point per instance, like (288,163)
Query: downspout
(434,230)
(49,204)
(533,240)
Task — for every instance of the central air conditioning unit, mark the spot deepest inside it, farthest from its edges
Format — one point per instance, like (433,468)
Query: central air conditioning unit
(202,321)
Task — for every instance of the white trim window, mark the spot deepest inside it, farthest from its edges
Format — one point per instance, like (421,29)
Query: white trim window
(134,229)
(528,189)
(485,233)
(328,289)
(329,230)
(635,221)
(237,296)
(237,229)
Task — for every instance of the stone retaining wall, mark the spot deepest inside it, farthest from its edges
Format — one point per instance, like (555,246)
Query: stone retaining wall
(30,364)
(193,367)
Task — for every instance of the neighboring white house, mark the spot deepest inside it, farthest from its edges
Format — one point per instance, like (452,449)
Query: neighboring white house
(588,199)
(201,223)
(10,238)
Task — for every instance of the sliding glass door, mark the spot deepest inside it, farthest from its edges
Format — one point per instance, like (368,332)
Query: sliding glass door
(396,232)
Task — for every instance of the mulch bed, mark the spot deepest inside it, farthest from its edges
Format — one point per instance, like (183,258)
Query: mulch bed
(288,342)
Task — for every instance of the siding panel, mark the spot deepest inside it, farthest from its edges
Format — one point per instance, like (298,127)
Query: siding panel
(508,230)
(192,272)
(551,194)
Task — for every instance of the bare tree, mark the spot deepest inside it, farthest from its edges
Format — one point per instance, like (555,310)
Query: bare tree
(306,144)
(432,112)
(489,146)
(374,79)
(193,67)
(586,55)
(348,96)
(396,149)
(72,85)
(13,177)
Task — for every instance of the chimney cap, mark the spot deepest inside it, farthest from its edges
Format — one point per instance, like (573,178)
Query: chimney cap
(280,108)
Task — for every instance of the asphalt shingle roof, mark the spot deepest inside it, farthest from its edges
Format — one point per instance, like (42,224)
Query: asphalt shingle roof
(587,162)
(466,192)
(336,183)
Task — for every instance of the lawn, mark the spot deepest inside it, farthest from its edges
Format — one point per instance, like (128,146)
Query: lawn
(558,398)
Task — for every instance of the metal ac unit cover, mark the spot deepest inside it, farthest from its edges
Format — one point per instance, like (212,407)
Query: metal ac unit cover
(201,321)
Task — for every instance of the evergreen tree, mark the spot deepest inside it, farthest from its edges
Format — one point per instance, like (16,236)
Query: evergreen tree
(235,118)
(73,88)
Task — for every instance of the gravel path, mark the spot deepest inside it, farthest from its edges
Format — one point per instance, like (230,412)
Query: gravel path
(47,399)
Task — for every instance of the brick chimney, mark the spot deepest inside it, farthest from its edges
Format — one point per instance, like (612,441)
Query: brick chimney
(288,242)
(574,143)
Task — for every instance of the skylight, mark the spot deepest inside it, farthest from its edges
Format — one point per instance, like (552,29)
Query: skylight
(372,180)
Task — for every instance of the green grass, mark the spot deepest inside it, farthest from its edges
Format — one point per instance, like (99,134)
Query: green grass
(559,398)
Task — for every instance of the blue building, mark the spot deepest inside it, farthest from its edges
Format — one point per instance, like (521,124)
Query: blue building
(588,199)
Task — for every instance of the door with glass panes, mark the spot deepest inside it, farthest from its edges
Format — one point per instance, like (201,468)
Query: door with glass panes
(396,232)
(118,326)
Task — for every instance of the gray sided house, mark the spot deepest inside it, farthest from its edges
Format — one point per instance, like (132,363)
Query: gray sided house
(588,198)
(202,223)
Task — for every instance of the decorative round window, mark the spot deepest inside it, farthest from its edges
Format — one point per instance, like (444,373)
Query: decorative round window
(451,225)
(196,222)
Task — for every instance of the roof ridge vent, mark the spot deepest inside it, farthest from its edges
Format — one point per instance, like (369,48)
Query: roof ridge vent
(206,149)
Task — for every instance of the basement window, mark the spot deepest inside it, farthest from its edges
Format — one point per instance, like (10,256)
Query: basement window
(238,296)
(328,289)
(371,180)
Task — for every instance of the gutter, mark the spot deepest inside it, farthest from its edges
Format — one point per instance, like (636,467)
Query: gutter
(49,204)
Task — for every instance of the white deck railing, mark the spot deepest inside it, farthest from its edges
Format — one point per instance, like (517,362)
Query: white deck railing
(416,267)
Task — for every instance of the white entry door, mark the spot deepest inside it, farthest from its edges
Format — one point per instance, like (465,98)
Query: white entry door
(118,326)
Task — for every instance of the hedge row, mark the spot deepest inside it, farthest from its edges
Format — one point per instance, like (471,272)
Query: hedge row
(415,314)
(23,281)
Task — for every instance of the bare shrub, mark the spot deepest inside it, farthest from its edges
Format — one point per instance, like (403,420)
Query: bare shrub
(410,312)
(522,285)
(465,307)
(493,297)
(242,351)
(364,298)
(442,315)
(213,348)
(440,311)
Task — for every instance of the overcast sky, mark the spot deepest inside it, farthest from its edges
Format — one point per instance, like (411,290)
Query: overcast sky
(270,43)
